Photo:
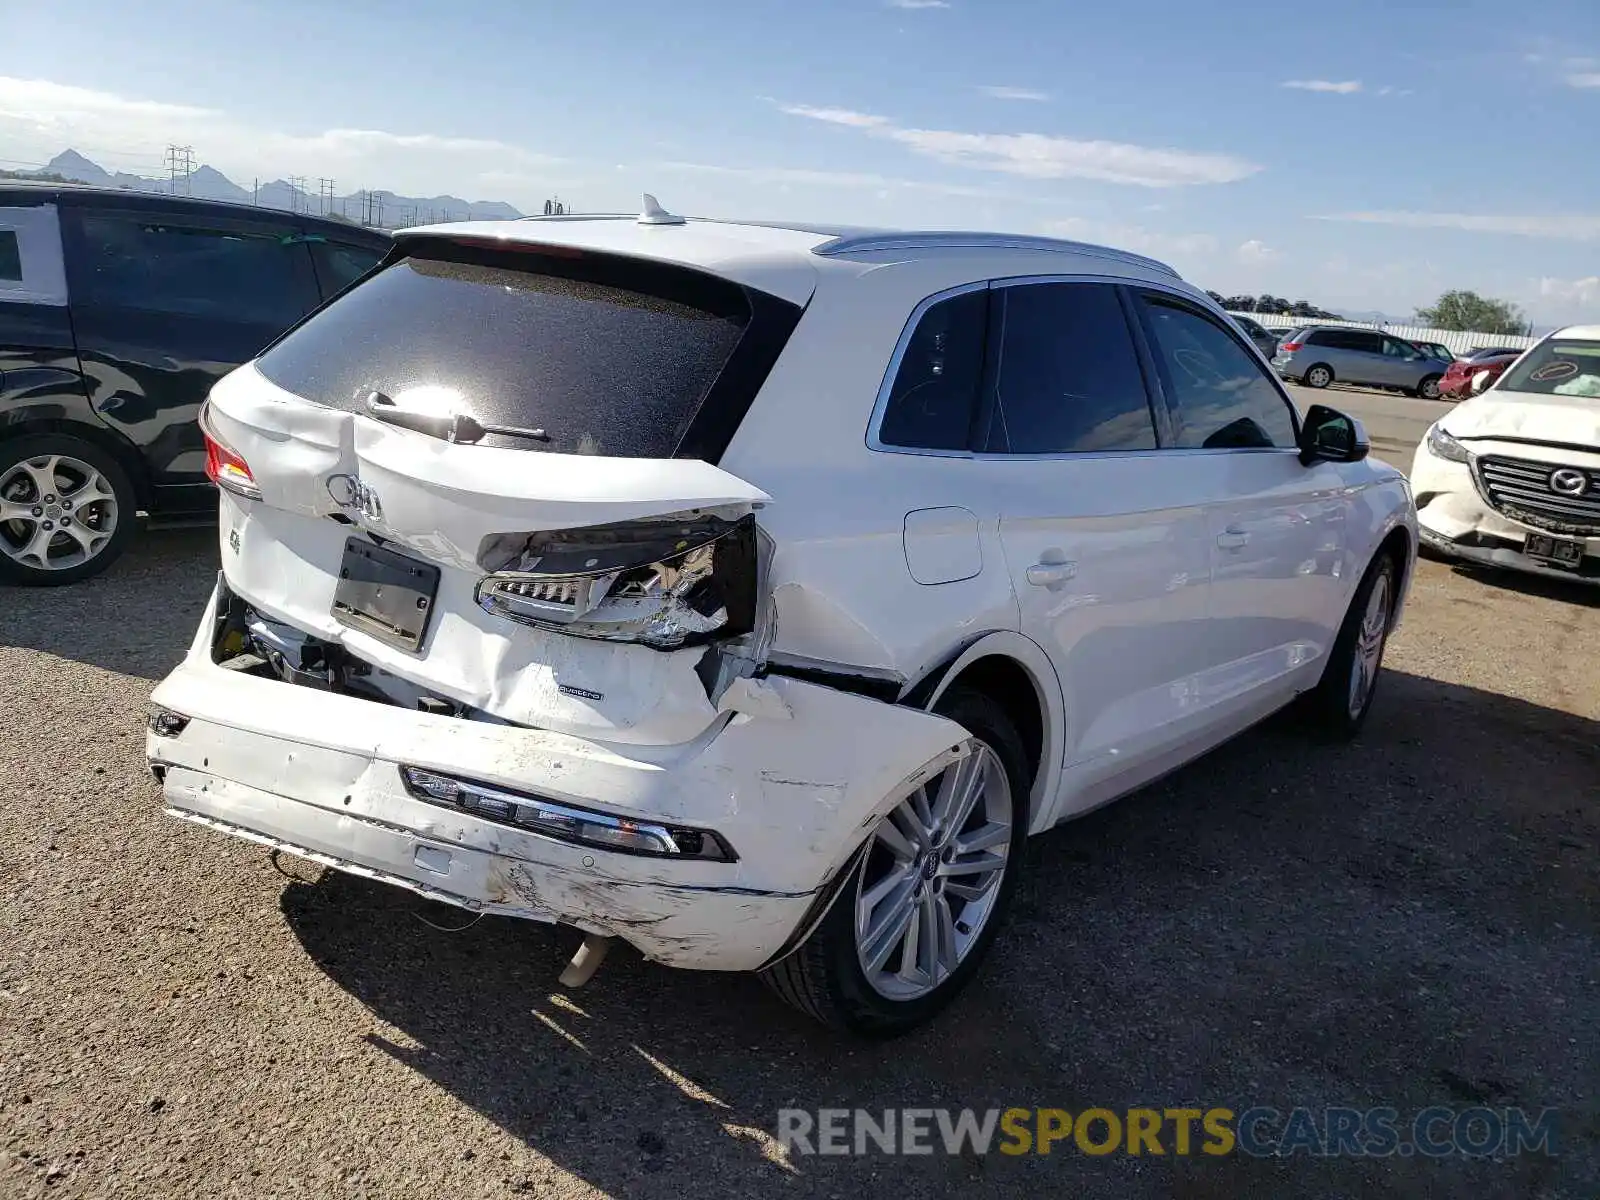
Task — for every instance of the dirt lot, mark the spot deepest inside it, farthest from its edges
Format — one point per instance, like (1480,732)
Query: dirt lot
(1408,921)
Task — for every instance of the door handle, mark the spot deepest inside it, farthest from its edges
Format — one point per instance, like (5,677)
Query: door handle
(1051,574)
(1233,538)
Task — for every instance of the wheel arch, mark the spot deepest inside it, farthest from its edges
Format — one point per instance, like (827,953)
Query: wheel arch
(25,424)
(994,663)
(1401,546)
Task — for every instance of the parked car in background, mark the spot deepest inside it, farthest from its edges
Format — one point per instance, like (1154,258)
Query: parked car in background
(1511,476)
(1469,375)
(118,311)
(1265,340)
(1322,354)
(1489,352)
(751,594)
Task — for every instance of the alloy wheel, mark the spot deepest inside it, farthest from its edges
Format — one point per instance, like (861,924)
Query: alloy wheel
(56,512)
(1370,637)
(932,876)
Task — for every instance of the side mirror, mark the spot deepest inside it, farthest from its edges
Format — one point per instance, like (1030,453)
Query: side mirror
(1328,435)
(1480,382)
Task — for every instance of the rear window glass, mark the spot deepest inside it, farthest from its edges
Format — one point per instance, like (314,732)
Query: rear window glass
(10,257)
(601,368)
(1557,369)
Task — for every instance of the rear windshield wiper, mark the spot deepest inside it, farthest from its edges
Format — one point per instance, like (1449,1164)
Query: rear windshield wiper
(458,427)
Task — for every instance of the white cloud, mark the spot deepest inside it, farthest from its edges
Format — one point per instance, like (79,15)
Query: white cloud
(1344,87)
(39,119)
(804,176)
(1574,227)
(918,3)
(46,102)
(1000,92)
(1585,293)
(1256,251)
(1584,79)
(836,116)
(1041,156)
(1134,237)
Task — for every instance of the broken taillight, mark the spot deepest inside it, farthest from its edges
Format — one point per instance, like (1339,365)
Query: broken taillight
(564,822)
(663,584)
(225,466)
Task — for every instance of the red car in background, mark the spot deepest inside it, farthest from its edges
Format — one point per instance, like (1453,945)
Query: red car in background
(1457,381)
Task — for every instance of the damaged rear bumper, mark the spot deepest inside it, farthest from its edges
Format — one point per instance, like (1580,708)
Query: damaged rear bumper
(792,788)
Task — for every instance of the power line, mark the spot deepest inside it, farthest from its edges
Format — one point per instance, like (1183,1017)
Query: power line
(297,187)
(325,196)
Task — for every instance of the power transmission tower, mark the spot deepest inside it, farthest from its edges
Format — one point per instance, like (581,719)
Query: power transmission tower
(180,161)
(297,187)
(325,196)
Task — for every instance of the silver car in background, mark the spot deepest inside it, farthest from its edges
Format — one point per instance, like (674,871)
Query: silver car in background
(1320,354)
(1265,340)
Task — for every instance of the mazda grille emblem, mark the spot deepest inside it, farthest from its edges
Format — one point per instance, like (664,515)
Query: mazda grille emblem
(349,492)
(1569,482)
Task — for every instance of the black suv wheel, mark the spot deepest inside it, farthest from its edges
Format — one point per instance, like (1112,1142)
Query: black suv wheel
(66,509)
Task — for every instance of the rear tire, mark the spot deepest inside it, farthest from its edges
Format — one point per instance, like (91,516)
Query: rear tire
(1318,376)
(1428,389)
(827,977)
(67,509)
(1342,699)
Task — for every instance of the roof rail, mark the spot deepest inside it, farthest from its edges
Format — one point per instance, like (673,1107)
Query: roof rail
(937,240)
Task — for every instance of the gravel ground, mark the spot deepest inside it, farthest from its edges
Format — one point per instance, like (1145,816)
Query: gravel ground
(1408,921)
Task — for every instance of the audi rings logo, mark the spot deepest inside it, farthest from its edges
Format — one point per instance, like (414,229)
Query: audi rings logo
(1568,482)
(350,493)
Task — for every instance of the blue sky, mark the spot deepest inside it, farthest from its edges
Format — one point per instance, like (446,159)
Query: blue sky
(1365,157)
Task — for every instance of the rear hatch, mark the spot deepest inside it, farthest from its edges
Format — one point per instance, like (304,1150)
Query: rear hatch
(484,479)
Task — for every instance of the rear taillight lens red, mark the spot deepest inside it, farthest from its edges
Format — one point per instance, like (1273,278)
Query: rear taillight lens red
(225,466)
(1289,347)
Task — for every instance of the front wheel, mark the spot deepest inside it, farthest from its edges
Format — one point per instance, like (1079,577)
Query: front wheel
(1342,699)
(928,891)
(1428,389)
(66,509)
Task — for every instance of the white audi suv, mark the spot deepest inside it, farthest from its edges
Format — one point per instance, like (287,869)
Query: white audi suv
(749,593)
(1511,476)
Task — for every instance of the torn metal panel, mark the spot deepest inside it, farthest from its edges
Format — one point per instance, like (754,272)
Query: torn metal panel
(790,774)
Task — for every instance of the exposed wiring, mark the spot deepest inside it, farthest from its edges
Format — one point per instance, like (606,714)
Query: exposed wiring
(449,928)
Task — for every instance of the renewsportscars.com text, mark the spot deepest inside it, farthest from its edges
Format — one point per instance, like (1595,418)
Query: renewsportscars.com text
(1258,1131)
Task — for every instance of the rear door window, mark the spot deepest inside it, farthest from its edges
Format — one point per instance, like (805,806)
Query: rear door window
(606,355)
(1065,373)
(257,276)
(1220,396)
(935,389)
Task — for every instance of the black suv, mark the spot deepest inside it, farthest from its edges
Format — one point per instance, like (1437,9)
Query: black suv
(118,311)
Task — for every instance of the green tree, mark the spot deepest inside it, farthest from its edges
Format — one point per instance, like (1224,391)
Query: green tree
(1470,312)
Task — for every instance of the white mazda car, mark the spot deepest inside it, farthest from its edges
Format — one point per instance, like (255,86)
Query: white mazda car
(1511,476)
(750,593)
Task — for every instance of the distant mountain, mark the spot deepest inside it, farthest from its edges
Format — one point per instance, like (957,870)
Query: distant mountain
(69,164)
(386,208)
